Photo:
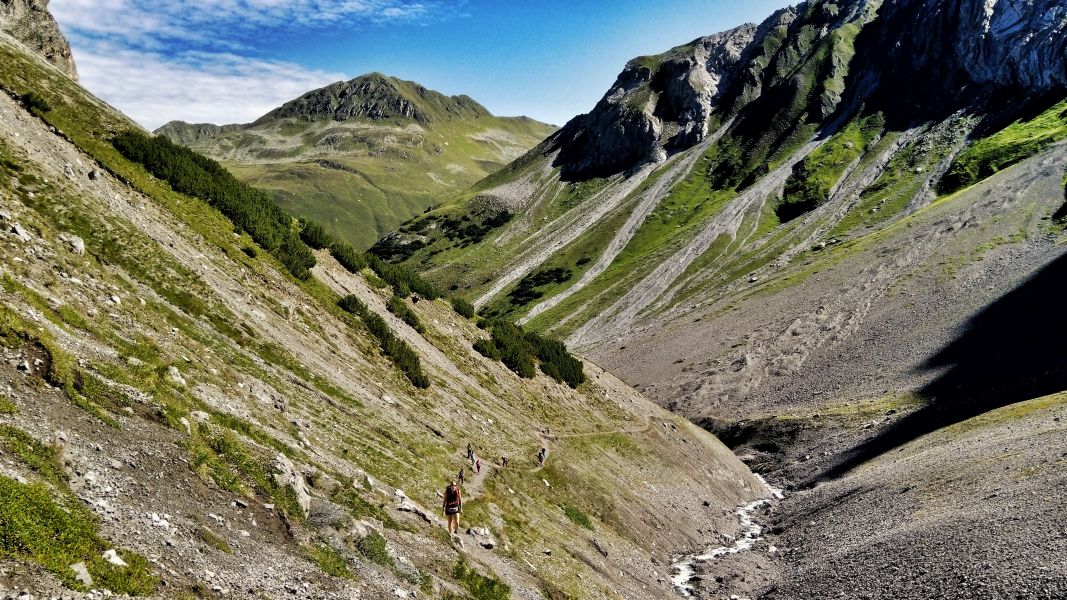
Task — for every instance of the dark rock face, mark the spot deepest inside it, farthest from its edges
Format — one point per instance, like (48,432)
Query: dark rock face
(912,58)
(667,96)
(29,22)
(378,97)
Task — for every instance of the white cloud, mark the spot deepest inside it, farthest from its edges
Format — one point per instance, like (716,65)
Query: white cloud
(196,87)
(212,21)
(199,61)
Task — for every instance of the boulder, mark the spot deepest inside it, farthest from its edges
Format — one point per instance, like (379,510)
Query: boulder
(287,475)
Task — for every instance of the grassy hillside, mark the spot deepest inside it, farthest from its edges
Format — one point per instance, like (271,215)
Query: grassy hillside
(175,394)
(363,175)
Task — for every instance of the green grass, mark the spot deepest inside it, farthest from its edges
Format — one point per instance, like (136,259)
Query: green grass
(1017,141)
(578,517)
(212,539)
(386,178)
(812,178)
(373,547)
(329,560)
(480,587)
(46,524)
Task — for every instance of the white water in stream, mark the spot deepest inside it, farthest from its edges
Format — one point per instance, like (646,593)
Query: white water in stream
(751,532)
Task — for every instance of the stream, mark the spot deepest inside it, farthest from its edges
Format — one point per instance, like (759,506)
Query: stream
(751,532)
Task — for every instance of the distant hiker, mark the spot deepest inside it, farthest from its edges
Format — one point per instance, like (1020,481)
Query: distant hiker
(504,462)
(470,452)
(478,466)
(462,477)
(453,505)
(541,456)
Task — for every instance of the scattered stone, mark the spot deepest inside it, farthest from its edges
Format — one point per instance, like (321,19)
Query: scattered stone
(288,475)
(77,245)
(113,557)
(176,376)
(599,547)
(81,574)
(21,233)
(94,175)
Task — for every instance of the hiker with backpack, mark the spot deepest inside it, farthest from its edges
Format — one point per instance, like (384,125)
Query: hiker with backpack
(453,505)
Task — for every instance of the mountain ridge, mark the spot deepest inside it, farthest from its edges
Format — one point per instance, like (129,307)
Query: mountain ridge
(361,156)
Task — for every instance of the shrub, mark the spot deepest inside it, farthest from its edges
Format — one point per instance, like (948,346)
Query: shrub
(314,235)
(398,307)
(462,307)
(395,348)
(351,259)
(35,104)
(518,350)
(250,209)
(403,281)
(373,547)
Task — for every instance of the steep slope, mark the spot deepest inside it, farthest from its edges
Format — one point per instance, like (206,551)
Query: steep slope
(29,22)
(172,393)
(782,228)
(362,156)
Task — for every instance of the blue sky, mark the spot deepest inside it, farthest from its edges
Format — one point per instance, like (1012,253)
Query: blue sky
(226,61)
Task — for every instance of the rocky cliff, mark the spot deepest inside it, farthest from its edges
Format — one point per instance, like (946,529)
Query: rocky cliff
(29,22)
(958,54)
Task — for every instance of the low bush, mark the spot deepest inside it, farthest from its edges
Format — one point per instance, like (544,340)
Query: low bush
(462,307)
(398,307)
(250,209)
(518,351)
(395,348)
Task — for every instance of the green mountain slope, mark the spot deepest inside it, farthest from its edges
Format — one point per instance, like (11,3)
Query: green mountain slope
(173,394)
(362,156)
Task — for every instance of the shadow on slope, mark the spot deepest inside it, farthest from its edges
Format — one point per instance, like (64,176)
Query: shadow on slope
(1013,350)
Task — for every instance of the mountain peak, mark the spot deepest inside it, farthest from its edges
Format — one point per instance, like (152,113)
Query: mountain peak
(378,97)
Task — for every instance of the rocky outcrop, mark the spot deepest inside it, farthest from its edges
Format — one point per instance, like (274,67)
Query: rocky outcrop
(29,22)
(657,103)
(813,62)
(378,97)
(190,134)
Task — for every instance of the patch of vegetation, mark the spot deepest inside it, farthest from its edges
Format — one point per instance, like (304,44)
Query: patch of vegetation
(329,560)
(480,587)
(213,540)
(577,517)
(526,290)
(374,548)
(519,349)
(395,348)
(398,307)
(360,508)
(404,281)
(809,185)
(1017,141)
(35,103)
(250,209)
(7,407)
(48,525)
(462,307)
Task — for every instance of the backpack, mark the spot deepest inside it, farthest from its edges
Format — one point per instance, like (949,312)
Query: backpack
(452,496)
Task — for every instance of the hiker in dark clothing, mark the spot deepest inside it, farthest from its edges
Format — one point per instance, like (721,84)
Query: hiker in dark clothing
(453,505)
(541,456)
(504,462)
(470,452)
(478,466)
(462,476)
